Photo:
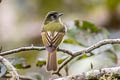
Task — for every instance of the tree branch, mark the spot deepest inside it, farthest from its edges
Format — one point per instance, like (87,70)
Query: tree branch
(73,55)
(31,48)
(88,50)
(22,49)
(10,67)
(97,45)
(95,74)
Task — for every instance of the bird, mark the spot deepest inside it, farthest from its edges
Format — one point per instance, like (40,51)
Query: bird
(53,31)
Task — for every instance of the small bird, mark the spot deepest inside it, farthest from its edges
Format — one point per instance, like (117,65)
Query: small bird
(52,34)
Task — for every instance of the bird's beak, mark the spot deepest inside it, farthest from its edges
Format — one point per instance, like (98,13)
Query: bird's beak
(60,14)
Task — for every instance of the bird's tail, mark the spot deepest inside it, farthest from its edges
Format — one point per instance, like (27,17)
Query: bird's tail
(52,61)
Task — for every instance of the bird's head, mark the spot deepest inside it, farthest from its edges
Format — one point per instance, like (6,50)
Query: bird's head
(53,16)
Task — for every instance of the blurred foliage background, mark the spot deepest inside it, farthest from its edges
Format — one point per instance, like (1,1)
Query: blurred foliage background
(88,21)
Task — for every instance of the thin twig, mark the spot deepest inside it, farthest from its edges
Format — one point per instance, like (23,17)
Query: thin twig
(31,48)
(97,45)
(22,49)
(20,76)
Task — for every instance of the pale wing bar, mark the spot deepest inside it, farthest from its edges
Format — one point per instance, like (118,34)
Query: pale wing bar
(55,40)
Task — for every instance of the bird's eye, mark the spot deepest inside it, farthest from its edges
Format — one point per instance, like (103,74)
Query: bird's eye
(54,17)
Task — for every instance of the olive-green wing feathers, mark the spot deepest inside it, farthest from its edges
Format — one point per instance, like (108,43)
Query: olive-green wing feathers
(52,40)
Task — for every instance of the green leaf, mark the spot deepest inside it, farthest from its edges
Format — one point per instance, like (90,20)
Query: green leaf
(41,62)
(89,26)
(21,66)
(77,23)
(85,34)
(85,25)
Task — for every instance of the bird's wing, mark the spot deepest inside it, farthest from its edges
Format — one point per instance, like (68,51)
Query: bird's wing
(52,40)
(46,40)
(58,39)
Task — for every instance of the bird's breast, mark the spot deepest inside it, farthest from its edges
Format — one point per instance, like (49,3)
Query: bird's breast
(53,27)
